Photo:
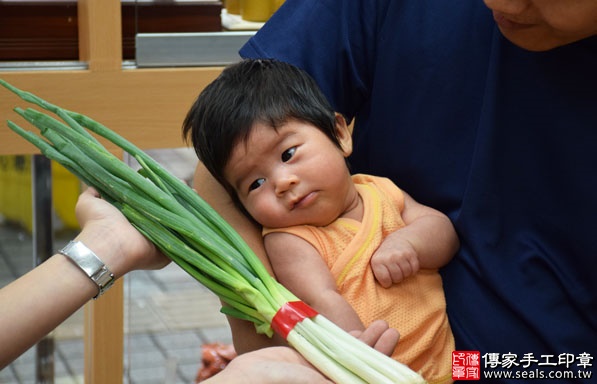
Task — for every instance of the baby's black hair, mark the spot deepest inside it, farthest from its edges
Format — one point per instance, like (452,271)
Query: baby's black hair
(252,91)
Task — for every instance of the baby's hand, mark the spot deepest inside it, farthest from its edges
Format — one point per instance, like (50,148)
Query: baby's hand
(394,261)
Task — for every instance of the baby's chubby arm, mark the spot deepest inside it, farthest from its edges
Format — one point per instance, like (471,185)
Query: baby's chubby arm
(299,267)
(428,241)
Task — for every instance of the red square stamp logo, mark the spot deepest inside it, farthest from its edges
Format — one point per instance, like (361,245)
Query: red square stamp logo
(466,365)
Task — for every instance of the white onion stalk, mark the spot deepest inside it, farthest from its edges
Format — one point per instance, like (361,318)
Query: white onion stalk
(187,230)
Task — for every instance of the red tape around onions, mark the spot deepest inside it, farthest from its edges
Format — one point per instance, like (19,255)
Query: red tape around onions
(289,315)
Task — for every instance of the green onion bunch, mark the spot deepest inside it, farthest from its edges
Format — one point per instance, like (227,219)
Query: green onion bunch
(193,235)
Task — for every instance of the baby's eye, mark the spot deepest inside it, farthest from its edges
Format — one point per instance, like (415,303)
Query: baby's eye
(256,184)
(287,154)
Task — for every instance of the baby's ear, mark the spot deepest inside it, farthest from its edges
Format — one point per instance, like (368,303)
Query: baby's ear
(343,133)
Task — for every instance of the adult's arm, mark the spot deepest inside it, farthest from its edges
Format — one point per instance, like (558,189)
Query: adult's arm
(244,335)
(35,304)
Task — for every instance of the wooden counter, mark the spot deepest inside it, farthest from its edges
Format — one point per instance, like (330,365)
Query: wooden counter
(146,106)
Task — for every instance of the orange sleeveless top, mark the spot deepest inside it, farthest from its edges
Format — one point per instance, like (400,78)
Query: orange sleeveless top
(416,307)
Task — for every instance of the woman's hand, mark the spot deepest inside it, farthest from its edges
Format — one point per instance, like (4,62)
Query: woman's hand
(109,234)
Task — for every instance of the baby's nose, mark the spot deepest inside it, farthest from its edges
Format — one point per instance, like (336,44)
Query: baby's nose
(285,182)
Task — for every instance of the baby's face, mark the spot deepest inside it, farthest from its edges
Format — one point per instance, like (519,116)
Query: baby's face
(290,176)
(540,25)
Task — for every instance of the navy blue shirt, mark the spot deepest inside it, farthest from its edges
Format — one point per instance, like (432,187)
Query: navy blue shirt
(504,141)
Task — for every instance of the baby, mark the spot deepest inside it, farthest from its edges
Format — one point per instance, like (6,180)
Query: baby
(354,247)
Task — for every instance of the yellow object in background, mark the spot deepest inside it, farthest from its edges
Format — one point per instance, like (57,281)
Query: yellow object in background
(233,7)
(66,189)
(256,10)
(16,192)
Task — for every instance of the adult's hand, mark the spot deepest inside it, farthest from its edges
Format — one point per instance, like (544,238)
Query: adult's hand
(272,365)
(380,336)
(284,365)
(110,235)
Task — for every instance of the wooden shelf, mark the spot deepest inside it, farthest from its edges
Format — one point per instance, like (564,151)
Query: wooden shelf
(33,30)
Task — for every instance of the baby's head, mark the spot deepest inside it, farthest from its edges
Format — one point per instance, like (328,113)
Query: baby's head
(268,92)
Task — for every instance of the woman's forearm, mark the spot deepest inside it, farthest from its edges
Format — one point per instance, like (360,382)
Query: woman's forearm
(38,302)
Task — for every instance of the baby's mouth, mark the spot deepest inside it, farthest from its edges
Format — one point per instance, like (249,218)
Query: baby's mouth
(303,201)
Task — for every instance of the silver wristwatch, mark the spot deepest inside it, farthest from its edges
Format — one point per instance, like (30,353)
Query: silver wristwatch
(88,261)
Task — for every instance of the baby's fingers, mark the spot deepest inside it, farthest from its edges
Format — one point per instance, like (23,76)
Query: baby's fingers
(382,275)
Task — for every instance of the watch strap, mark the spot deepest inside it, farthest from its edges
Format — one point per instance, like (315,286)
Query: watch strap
(89,263)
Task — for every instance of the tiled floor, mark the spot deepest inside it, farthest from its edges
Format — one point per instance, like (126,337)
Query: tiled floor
(168,315)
